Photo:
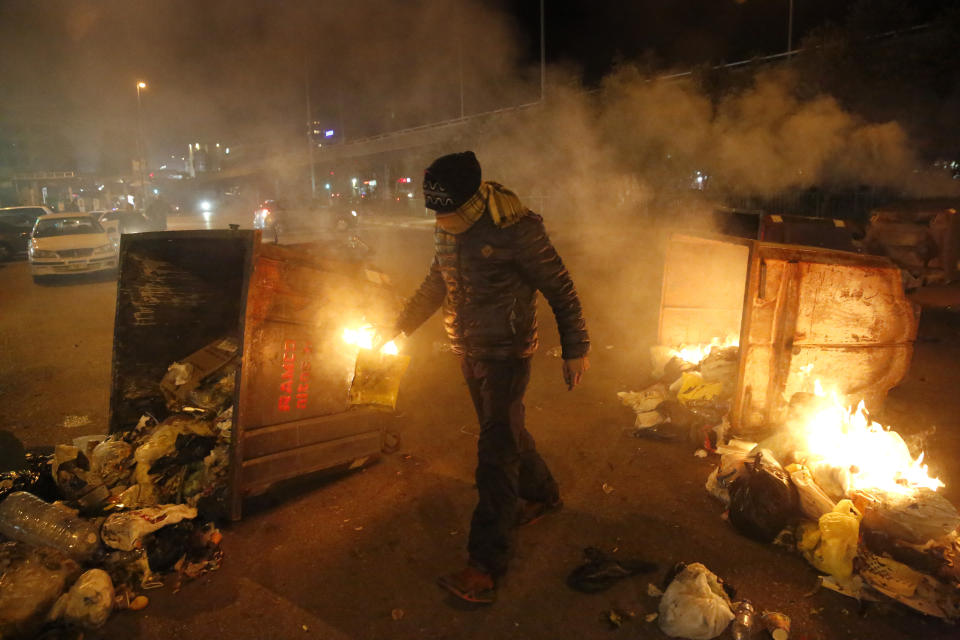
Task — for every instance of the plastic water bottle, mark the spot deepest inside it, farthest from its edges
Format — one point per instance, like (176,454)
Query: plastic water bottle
(27,518)
(744,621)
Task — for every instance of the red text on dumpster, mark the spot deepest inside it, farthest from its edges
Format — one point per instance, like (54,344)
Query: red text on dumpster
(294,376)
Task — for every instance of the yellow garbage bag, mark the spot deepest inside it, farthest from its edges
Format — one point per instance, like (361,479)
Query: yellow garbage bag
(693,387)
(376,379)
(832,545)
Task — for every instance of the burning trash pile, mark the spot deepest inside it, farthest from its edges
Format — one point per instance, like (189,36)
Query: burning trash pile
(94,525)
(842,490)
(693,395)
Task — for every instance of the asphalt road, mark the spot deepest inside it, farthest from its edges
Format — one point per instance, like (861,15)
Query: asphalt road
(357,556)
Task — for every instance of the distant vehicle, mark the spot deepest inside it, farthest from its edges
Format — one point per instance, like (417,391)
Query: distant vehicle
(23,217)
(17,223)
(122,221)
(278,216)
(13,241)
(65,243)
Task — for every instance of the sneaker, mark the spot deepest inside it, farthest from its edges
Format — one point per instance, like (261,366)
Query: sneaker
(470,584)
(530,512)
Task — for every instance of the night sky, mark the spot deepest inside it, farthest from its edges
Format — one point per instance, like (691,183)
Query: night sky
(231,71)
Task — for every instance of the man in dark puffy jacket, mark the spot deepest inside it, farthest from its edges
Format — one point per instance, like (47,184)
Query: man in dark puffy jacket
(492,256)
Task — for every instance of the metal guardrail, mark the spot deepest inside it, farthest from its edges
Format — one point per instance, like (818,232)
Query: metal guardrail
(45,175)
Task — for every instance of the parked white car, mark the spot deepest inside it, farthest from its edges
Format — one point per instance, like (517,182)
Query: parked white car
(64,243)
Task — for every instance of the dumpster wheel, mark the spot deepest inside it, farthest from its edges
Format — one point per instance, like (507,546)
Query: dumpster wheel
(391,441)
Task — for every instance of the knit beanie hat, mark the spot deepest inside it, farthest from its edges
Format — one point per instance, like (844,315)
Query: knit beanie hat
(450,181)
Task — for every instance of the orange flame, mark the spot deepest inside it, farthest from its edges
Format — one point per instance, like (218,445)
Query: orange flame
(696,353)
(875,456)
(364,336)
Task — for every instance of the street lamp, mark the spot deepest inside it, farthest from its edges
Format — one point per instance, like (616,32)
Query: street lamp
(143,186)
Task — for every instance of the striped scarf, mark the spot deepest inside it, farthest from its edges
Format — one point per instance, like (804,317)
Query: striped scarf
(503,204)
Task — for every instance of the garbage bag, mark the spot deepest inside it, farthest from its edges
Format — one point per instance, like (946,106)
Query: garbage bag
(111,460)
(89,601)
(376,379)
(159,443)
(125,530)
(646,400)
(33,477)
(694,387)
(916,517)
(601,571)
(31,580)
(831,545)
(814,502)
(695,605)
(762,500)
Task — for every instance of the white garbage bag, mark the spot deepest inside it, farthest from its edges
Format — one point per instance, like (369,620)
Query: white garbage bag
(89,601)
(695,606)
(126,529)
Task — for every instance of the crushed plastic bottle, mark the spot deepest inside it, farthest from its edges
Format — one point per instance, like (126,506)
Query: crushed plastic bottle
(27,518)
(744,621)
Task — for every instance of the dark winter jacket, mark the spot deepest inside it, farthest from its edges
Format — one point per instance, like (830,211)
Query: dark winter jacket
(487,279)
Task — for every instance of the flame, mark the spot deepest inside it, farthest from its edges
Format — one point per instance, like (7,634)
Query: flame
(364,336)
(875,456)
(696,353)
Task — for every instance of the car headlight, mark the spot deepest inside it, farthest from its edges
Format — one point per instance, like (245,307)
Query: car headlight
(105,248)
(42,253)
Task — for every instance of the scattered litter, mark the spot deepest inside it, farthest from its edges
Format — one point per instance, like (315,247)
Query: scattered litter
(125,530)
(89,601)
(695,605)
(607,489)
(831,544)
(744,621)
(31,580)
(555,352)
(763,500)
(701,453)
(650,617)
(26,518)
(654,591)
(138,603)
(600,571)
(615,617)
(776,624)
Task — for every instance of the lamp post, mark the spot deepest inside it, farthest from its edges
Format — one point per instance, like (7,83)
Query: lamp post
(790,29)
(141,85)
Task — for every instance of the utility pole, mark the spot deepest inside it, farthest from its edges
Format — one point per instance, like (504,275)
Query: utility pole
(313,169)
(143,185)
(790,29)
(543,55)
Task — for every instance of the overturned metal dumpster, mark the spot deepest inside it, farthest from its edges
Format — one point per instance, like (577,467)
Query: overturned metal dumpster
(210,295)
(795,310)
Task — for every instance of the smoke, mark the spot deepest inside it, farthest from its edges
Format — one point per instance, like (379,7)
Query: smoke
(614,173)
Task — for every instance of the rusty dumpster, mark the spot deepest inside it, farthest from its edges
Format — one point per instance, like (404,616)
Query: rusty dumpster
(798,311)
(284,309)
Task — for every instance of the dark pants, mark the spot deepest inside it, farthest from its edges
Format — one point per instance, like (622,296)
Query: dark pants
(508,465)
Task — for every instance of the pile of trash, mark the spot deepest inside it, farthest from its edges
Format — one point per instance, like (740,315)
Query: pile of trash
(92,526)
(691,398)
(893,540)
(872,545)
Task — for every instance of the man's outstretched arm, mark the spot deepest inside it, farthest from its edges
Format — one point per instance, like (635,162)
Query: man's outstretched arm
(424,302)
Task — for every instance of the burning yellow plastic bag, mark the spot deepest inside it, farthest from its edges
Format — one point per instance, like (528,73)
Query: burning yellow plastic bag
(376,379)
(692,387)
(831,544)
